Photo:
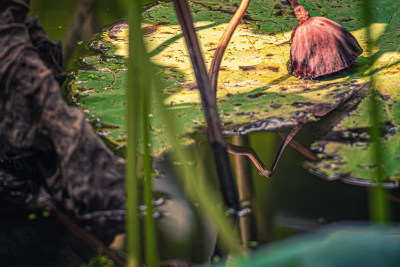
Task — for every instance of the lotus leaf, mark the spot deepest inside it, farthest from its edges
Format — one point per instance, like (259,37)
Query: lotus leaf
(346,153)
(255,91)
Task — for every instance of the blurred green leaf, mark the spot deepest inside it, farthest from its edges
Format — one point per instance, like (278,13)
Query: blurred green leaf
(99,261)
(334,247)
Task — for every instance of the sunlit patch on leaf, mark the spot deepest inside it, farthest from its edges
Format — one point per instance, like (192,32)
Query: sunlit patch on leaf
(255,90)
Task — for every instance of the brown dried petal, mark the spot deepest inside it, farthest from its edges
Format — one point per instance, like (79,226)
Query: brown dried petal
(321,46)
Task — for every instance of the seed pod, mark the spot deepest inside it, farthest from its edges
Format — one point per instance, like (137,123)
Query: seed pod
(320,46)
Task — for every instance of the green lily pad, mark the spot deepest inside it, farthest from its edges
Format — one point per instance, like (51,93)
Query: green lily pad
(352,162)
(346,152)
(348,156)
(255,91)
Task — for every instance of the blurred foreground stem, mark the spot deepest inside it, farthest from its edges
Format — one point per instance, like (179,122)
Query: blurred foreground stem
(136,81)
(151,257)
(379,209)
(247,222)
(209,103)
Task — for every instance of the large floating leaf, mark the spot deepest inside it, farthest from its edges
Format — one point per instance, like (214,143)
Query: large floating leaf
(255,91)
(352,162)
(346,152)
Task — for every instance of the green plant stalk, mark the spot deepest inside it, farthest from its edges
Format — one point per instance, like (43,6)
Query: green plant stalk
(242,166)
(151,257)
(197,183)
(379,210)
(210,110)
(135,83)
(216,139)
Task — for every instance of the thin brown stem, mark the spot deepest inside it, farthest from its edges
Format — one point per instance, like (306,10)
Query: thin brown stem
(247,222)
(299,147)
(213,74)
(223,43)
(89,239)
(290,136)
(251,154)
(209,103)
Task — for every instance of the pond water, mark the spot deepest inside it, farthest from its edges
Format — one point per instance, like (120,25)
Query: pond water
(293,201)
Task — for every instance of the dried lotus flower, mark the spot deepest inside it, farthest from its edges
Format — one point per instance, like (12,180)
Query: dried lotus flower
(320,46)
